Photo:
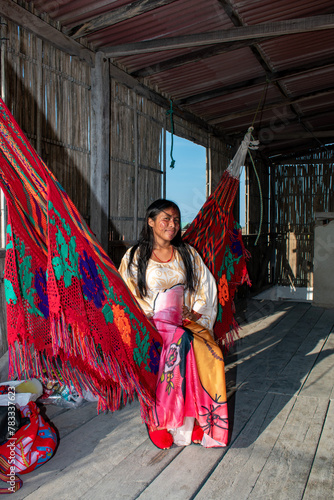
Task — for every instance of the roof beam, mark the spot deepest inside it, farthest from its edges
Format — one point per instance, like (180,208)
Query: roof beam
(324,161)
(263,30)
(193,57)
(281,149)
(247,84)
(237,21)
(303,135)
(116,16)
(306,117)
(277,104)
(13,12)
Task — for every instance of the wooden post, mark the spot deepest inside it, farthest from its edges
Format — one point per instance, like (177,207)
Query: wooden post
(135,133)
(39,97)
(3,33)
(3,314)
(208,169)
(100,149)
(164,162)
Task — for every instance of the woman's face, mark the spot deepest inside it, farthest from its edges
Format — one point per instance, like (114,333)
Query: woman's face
(166,225)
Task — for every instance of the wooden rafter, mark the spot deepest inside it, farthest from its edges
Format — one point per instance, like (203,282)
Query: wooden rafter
(292,120)
(195,56)
(263,30)
(258,54)
(116,16)
(303,135)
(254,82)
(277,104)
(13,12)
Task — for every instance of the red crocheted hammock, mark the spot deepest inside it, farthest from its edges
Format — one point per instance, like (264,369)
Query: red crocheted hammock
(218,238)
(69,313)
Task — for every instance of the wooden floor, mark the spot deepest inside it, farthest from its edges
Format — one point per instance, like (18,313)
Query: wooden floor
(280,380)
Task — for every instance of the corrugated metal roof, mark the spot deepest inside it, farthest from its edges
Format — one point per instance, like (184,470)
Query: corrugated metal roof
(262,11)
(296,65)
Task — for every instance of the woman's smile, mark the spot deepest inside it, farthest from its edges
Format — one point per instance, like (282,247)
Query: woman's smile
(166,225)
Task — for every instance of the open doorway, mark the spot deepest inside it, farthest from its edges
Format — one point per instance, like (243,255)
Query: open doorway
(186,182)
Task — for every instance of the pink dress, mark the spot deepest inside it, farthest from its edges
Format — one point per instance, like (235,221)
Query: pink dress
(191,384)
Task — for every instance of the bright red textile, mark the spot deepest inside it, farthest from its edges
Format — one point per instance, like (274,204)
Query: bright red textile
(217,237)
(69,313)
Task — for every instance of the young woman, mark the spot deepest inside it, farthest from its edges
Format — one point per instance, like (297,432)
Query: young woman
(177,291)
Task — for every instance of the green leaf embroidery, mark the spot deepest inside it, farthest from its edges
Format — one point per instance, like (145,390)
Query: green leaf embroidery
(9,292)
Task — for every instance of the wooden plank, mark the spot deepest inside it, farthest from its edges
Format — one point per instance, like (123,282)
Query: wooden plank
(258,319)
(305,343)
(272,456)
(263,348)
(100,150)
(283,102)
(45,31)
(68,421)
(236,475)
(320,484)
(116,16)
(230,89)
(50,411)
(260,314)
(303,135)
(189,469)
(320,381)
(4,363)
(193,57)
(286,471)
(131,476)
(141,90)
(263,30)
(85,454)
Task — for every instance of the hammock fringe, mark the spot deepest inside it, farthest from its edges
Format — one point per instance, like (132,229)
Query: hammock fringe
(70,316)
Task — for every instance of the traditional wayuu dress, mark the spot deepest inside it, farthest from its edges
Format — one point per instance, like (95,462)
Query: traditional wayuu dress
(191,380)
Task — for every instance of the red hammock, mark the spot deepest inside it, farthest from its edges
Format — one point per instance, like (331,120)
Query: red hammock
(69,313)
(217,237)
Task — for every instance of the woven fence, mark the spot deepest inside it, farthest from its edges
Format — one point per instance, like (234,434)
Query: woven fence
(303,187)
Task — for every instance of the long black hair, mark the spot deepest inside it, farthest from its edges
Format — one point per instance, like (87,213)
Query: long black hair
(145,247)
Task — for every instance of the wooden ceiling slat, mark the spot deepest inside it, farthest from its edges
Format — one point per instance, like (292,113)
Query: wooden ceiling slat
(45,31)
(116,16)
(193,57)
(247,84)
(278,104)
(263,30)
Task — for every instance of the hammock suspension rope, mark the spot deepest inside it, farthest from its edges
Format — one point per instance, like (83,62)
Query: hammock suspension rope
(170,113)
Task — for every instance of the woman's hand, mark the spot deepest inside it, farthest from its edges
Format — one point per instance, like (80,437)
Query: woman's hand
(190,315)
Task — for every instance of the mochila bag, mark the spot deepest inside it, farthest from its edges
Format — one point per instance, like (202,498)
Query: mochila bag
(28,448)
(10,421)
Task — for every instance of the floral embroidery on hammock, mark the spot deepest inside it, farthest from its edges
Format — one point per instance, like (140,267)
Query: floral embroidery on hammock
(69,312)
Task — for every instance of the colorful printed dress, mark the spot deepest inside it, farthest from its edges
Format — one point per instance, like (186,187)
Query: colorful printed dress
(191,382)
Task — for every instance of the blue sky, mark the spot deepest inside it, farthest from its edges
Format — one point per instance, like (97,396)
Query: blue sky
(186,182)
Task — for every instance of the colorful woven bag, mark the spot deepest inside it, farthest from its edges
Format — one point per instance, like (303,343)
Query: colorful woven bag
(29,448)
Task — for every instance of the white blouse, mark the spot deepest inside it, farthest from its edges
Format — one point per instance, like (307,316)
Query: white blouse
(161,276)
